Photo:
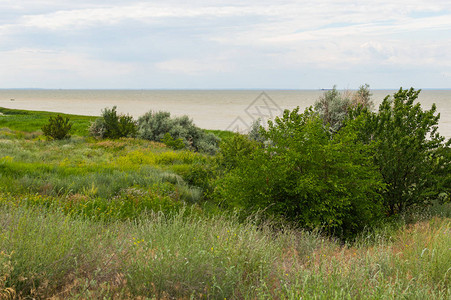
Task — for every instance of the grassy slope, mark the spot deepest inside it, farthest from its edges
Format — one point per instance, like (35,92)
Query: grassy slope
(31,121)
(83,219)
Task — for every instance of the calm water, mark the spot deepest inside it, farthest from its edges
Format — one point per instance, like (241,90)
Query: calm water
(212,109)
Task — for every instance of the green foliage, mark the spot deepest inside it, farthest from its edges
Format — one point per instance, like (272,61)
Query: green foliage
(304,176)
(57,128)
(407,146)
(234,149)
(443,174)
(154,126)
(169,141)
(113,126)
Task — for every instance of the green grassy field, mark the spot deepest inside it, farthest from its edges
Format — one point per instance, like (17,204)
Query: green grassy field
(127,219)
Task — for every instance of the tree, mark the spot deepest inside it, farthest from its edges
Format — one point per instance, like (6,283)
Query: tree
(57,128)
(406,141)
(305,176)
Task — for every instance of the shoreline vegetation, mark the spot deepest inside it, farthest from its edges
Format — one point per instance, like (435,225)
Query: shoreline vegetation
(339,201)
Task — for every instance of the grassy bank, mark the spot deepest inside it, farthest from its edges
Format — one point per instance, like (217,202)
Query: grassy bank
(128,218)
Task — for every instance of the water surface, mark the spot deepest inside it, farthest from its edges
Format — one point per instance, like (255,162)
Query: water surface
(211,109)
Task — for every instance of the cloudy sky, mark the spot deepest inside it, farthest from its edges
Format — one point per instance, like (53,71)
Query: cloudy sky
(224,44)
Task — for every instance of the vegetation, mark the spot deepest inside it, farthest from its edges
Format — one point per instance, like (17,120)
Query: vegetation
(333,106)
(293,210)
(160,127)
(26,123)
(46,254)
(305,176)
(113,126)
(58,128)
(408,150)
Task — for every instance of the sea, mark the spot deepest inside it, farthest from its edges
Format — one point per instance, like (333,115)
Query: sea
(233,110)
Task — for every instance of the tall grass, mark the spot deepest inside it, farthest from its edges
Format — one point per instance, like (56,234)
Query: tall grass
(46,253)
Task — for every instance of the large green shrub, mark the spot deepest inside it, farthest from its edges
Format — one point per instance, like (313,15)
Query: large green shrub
(155,126)
(305,176)
(409,151)
(113,126)
(57,128)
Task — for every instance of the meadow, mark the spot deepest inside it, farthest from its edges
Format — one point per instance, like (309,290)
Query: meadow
(128,218)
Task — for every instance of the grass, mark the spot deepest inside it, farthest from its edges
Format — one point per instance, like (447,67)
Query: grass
(125,219)
(31,121)
(45,253)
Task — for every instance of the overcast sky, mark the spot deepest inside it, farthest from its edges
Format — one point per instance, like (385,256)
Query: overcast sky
(224,44)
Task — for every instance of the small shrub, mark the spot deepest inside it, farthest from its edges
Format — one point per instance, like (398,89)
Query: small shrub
(57,128)
(113,126)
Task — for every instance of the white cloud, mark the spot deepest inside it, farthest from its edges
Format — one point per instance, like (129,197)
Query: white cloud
(186,37)
(36,66)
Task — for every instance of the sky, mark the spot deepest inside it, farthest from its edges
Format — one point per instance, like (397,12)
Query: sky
(246,44)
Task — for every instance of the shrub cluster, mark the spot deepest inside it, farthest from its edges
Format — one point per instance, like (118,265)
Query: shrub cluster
(340,166)
(160,127)
(177,133)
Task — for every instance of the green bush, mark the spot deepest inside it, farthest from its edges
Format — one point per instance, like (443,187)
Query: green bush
(169,141)
(304,176)
(154,126)
(57,128)
(409,151)
(113,126)
(234,149)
